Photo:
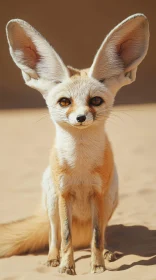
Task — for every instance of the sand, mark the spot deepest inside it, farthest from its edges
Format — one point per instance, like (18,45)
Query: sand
(25,141)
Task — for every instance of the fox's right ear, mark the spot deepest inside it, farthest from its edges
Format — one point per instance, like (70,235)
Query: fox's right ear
(41,66)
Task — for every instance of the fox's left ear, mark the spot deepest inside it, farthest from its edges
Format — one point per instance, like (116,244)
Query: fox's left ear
(122,51)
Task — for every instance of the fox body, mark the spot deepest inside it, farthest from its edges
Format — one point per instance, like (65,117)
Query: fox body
(80,186)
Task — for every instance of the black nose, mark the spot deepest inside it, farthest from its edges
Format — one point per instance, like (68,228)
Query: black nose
(81,118)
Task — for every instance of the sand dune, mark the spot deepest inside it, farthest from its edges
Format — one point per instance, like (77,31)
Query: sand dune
(26,138)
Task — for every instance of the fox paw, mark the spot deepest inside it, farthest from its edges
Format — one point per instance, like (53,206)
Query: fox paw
(53,263)
(98,269)
(67,270)
(112,256)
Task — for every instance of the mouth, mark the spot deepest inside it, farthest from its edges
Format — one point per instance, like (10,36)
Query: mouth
(82,125)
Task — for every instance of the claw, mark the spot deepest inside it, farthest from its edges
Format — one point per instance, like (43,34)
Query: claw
(67,270)
(112,256)
(53,263)
(98,269)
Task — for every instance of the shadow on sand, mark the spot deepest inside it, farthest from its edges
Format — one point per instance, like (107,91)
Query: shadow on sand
(131,240)
(135,240)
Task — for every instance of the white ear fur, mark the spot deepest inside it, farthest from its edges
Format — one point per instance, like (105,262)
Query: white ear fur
(40,64)
(121,52)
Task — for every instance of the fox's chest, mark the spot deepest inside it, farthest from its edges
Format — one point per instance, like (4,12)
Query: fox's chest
(81,174)
(76,169)
(80,182)
(83,168)
(81,186)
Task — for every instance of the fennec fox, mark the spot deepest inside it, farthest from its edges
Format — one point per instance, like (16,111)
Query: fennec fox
(80,186)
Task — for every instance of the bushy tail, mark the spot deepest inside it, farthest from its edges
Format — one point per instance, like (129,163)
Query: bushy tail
(24,236)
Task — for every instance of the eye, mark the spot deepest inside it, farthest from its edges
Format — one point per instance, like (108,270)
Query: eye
(96,101)
(64,102)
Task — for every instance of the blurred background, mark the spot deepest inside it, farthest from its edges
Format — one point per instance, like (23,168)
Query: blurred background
(75,29)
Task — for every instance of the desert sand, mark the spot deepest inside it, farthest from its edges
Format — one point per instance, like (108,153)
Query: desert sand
(25,141)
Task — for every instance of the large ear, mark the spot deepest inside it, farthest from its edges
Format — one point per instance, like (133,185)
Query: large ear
(121,52)
(40,64)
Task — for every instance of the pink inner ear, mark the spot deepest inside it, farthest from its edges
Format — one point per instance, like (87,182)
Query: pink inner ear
(130,48)
(23,45)
(31,56)
(125,51)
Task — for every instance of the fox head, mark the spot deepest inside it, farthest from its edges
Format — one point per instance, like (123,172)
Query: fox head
(80,98)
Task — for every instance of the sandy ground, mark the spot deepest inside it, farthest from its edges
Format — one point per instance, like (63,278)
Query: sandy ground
(25,141)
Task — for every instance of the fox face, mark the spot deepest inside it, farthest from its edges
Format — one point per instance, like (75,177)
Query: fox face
(79,102)
(80,98)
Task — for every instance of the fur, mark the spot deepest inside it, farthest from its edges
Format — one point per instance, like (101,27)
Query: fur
(80,185)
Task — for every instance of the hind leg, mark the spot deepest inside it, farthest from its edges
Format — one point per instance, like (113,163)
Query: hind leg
(54,243)
(102,210)
(51,204)
(111,201)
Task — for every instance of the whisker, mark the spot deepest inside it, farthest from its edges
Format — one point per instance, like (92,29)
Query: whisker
(43,117)
(114,115)
(130,116)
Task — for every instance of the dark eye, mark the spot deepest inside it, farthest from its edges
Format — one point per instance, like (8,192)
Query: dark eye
(64,102)
(96,101)
(101,81)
